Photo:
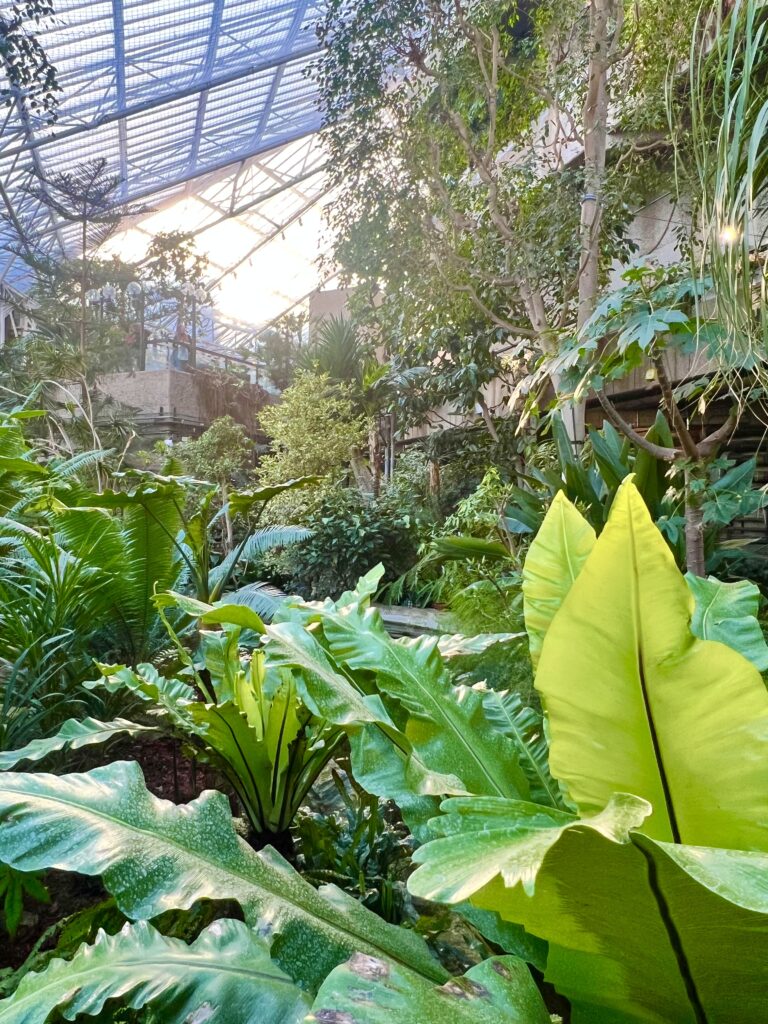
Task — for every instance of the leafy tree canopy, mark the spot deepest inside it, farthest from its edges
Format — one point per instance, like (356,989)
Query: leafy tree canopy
(312,431)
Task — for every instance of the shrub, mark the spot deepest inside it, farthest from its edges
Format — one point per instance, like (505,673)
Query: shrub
(349,536)
(312,430)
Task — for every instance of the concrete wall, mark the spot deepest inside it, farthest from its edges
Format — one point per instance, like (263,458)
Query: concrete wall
(178,402)
(327,303)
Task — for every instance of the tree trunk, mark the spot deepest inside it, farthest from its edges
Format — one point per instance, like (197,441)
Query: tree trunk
(374,456)
(487,418)
(694,528)
(602,38)
(361,472)
(434,479)
(83,284)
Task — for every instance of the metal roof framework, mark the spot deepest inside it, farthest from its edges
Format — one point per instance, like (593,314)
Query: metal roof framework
(202,107)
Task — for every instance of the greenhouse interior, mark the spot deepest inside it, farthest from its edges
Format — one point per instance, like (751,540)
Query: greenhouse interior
(384,511)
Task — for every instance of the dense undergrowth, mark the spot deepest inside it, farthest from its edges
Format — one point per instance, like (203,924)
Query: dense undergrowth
(396,830)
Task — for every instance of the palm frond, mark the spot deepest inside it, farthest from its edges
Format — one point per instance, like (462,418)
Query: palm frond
(271,537)
(83,460)
(262,598)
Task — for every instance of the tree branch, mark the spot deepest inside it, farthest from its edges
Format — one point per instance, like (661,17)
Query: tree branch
(709,445)
(679,425)
(618,421)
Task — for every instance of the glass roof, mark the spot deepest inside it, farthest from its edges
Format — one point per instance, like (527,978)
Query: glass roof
(203,108)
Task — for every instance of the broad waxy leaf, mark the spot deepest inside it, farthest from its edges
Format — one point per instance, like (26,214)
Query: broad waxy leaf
(73,735)
(324,689)
(241,502)
(226,974)
(155,856)
(446,726)
(458,646)
(508,838)
(396,772)
(146,682)
(370,991)
(637,704)
(555,559)
(727,612)
(639,932)
(218,614)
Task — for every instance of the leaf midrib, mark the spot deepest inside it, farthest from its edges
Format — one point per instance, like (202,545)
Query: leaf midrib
(183,961)
(442,713)
(645,696)
(236,873)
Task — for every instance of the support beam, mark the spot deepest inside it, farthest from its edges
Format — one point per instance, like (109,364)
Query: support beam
(279,229)
(214,34)
(122,130)
(298,18)
(161,101)
(228,161)
(244,207)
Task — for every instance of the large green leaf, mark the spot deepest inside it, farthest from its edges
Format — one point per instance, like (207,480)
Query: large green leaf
(650,472)
(458,646)
(580,482)
(220,613)
(73,735)
(226,974)
(242,502)
(496,991)
(332,696)
(506,711)
(447,727)
(555,559)
(466,548)
(154,856)
(636,704)
(638,931)
(324,689)
(146,683)
(727,612)
(610,453)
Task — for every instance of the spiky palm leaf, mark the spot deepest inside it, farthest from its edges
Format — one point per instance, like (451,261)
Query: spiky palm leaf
(258,543)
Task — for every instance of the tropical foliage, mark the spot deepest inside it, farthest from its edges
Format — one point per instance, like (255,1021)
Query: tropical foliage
(624,807)
(659,741)
(542,795)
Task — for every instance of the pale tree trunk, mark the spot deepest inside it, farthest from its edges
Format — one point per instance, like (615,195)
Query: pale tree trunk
(694,529)
(485,412)
(604,32)
(83,282)
(374,456)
